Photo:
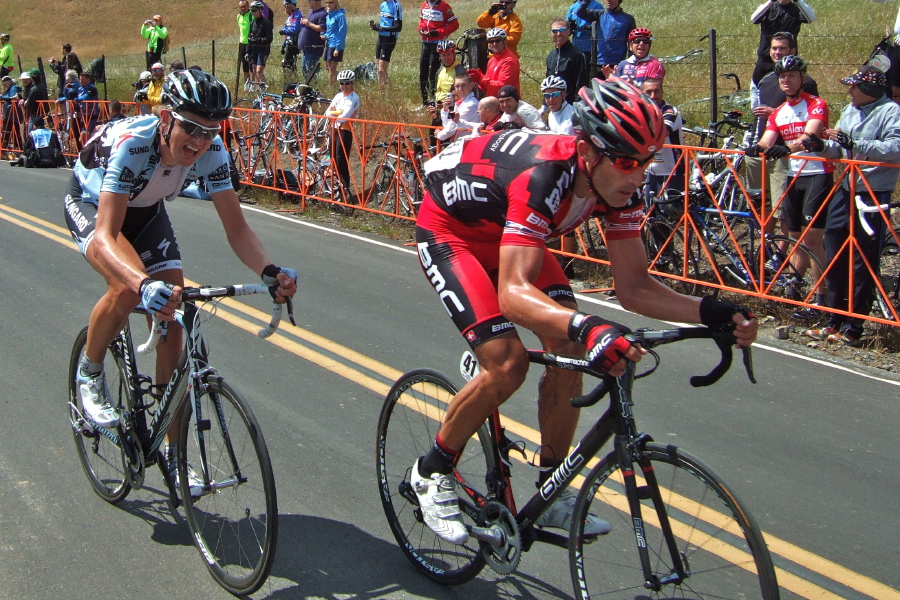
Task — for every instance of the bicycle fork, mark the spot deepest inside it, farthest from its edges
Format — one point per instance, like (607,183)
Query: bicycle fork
(628,448)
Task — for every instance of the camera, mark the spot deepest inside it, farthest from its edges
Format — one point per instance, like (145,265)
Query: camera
(138,84)
(451,114)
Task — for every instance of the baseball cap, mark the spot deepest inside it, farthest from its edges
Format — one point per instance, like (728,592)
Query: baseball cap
(6,78)
(157,65)
(866,75)
(145,75)
(508,91)
(25,75)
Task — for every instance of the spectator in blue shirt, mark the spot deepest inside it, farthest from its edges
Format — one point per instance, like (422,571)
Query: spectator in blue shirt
(311,42)
(615,25)
(335,37)
(291,32)
(581,30)
(388,27)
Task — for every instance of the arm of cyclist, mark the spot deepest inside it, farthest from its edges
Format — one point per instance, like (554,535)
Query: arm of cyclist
(638,292)
(118,262)
(246,244)
(526,305)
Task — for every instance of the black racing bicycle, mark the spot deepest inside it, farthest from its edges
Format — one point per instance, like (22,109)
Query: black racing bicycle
(678,531)
(234,516)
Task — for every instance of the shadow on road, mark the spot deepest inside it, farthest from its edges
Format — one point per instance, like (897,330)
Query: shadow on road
(370,568)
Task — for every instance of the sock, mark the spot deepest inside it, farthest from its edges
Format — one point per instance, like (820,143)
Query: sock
(89,367)
(440,459)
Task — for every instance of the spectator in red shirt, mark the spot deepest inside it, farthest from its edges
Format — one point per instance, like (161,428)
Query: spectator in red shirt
(436,23)
(502,68)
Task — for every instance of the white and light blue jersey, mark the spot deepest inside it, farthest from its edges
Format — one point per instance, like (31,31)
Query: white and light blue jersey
(123,158)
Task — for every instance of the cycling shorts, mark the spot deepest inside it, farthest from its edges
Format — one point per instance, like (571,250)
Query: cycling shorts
(384,47)
(464,274)
(148,229)
(802,200)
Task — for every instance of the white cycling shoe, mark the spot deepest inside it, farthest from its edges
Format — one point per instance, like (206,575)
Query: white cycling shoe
(559,516)
(95,399)
(440,505)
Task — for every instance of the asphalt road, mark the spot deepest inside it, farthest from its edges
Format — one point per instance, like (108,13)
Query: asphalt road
(812,449)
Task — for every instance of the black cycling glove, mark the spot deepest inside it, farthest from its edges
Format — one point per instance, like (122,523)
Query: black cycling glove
(844,140)
(753,151)
(718,315)
(813,143)
(777,151)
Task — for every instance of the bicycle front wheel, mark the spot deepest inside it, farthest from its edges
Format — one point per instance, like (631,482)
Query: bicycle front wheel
(234,520)
(103,461)
(410,417)
(721,550)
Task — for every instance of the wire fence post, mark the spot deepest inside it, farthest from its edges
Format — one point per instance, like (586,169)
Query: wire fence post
(713,88)
(213,60)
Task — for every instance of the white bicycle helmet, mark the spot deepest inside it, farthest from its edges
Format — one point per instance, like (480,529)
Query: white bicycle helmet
(496,33)
(553,82)
(346,76)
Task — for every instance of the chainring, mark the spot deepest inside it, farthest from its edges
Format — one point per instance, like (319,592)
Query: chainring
(505,558)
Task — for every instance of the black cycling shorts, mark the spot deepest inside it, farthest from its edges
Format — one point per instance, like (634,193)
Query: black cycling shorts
(148,229)
(384,47)
(805,195)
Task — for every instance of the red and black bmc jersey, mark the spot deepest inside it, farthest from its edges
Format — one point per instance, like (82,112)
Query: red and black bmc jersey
(515,187)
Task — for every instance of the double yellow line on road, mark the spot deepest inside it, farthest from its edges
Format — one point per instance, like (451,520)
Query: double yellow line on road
(320,351)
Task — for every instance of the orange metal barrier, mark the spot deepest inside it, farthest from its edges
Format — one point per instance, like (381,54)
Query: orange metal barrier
(294,153)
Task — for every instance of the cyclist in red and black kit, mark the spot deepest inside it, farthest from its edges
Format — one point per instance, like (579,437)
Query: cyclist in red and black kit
(491,205)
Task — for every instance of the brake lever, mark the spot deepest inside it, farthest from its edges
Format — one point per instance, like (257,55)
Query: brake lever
(748,363)
(273,289)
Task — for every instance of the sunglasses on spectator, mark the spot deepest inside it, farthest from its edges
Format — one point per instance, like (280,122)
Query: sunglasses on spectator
(559,30)
(627,164)
(196,129)
(641,41)
(555,94)
(496,41)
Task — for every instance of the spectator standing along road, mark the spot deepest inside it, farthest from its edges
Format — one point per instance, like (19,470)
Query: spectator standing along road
(565,60)
(345,105)
(390,22)
(800,118)
(641,64)
(259,42)
(502,67)
(436,23)
(29,105)
(311,42)
(501,15)
(155,33)
(868,129)
(775,16)
(291,32)
(6,55)
(666,160)
(581,30)
(10,113)
(335,37)
(244,19)
(154,89)
(60,67)
(770,95)
(456,113)
(615,25)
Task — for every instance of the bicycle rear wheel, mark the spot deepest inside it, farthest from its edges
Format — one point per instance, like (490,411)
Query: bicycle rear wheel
(794,261)
(103,461)
(235,521)
(410,417)
(721,547)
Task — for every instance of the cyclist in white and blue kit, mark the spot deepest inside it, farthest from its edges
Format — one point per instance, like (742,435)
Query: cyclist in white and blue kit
(116,214)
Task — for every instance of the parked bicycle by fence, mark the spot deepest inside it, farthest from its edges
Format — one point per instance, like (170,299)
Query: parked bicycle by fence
(677,529)
(398,190)
(233,514)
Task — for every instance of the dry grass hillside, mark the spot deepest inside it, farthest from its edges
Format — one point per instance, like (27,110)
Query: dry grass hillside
(841,38)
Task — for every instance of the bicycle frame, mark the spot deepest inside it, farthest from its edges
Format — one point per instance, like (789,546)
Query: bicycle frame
(616,423)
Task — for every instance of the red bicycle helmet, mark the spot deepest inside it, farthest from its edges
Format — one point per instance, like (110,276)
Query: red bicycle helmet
(618,118)
(640,32)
